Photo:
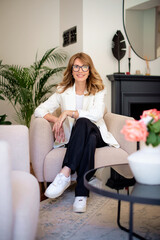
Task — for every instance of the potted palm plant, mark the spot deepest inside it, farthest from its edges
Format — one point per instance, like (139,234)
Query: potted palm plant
(27,87)
(3,117)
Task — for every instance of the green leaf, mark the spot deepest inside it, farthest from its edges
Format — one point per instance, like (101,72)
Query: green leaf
(158,140)
(2,98)
(2,120)
(5,123)
(153,139)
(3,117)
(155,127)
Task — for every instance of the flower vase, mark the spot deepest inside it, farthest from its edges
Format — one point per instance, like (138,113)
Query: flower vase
(145,165)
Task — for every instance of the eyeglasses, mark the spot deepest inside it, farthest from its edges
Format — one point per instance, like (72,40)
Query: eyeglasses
(76,68)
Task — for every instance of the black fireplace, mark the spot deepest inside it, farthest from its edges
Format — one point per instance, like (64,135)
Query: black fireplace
(131,94)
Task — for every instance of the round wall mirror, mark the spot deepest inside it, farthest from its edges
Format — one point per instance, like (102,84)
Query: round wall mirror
(141,20)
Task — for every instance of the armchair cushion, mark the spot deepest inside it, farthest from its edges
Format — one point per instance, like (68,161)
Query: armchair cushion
(115,123)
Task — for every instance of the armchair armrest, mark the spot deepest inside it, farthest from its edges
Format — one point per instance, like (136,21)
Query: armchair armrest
(115,123)
(41,143)
(17,138)
(5,192)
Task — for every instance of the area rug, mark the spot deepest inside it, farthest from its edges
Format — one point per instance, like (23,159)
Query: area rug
(57,221)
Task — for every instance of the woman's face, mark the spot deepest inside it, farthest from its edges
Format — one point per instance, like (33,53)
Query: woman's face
(80,71)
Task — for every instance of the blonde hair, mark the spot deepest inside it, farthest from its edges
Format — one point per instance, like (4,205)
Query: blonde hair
(94,81)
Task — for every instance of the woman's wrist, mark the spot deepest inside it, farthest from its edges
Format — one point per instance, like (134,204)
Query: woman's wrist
(51,118)
(73,114)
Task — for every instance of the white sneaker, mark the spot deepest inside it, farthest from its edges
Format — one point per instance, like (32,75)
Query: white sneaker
(79,204)
(58,186)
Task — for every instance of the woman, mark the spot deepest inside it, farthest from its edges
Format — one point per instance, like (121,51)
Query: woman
(80,127)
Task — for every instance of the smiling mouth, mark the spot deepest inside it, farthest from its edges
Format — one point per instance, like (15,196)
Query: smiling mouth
(80,75)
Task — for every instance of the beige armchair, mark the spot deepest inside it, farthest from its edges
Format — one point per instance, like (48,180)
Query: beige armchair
(19,190)
(47,161)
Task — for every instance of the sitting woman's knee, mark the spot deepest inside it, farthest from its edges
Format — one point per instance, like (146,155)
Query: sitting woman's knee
(82,121)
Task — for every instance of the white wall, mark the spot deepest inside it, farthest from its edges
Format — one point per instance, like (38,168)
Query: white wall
(26,27)
(71,14)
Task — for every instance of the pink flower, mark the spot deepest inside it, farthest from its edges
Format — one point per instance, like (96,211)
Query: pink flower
(135,131)
(147,129)
(154,113)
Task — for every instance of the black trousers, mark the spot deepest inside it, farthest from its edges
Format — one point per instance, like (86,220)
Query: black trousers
(85,138)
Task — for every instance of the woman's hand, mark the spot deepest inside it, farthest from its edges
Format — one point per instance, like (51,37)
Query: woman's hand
(58,125)
(58,128)
(59,135)
(62,118)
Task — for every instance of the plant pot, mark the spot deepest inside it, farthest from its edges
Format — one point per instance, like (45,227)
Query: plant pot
(145,165)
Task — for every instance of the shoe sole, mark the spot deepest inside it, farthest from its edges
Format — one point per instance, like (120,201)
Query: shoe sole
(58,194)
(79,210)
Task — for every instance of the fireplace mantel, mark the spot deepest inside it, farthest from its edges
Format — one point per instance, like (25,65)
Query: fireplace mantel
(132,93)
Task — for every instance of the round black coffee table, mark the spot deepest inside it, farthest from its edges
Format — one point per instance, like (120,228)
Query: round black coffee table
(117,181)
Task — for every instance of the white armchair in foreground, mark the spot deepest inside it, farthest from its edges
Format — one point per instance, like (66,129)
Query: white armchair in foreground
(19,190)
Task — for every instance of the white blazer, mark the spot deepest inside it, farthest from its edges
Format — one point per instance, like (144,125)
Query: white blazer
(93,109)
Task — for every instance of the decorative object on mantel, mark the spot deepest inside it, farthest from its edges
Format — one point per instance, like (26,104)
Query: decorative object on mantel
(145,163)
(138,72)
(147,67)
(118,47)
(129,61)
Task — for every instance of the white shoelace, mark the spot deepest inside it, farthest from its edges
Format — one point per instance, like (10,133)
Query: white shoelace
(59,179)
(81,200)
